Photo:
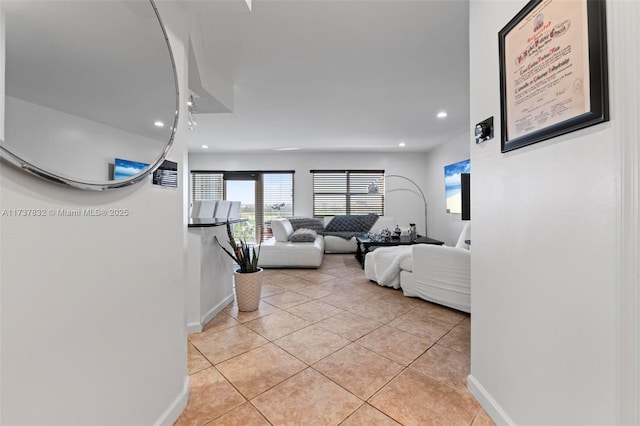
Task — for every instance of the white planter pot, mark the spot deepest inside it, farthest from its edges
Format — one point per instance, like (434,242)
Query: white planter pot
(248,289)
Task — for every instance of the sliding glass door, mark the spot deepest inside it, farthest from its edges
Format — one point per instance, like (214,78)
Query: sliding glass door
(245,192)
(264,196)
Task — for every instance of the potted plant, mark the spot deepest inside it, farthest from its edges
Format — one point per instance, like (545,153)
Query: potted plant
(248,276)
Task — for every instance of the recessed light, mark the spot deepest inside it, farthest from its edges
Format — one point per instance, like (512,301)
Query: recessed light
(205,146)
(288,149)
(442,114)
(402,144)
(158,123)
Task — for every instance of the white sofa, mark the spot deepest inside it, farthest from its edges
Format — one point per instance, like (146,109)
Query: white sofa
(279,252)
(439,274)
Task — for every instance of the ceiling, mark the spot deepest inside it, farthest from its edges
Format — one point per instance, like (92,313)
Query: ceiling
(65,55)
(319,75)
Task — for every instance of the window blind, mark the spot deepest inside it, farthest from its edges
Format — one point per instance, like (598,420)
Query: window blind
(277,200)
(206,186)
(339,192)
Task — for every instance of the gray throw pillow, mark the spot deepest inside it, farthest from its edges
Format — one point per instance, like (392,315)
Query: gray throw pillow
(303,235)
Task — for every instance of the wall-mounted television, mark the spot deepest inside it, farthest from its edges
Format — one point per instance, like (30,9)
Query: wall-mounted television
(466,195)
(124,169)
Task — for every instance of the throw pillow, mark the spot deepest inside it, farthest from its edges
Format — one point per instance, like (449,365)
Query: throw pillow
(303,235)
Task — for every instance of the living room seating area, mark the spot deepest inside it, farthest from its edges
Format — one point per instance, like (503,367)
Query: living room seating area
(436,273)
(440,274)
(302,242)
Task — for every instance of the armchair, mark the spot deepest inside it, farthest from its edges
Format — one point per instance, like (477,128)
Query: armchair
(439,274)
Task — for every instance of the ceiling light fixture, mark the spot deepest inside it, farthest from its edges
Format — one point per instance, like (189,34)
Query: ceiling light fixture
(205,146)
(158,123)
(288,149)
(442,114)
(191,114)
(402,144)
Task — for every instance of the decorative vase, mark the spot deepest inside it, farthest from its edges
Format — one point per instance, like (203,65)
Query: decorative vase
(248,288)
(412,232)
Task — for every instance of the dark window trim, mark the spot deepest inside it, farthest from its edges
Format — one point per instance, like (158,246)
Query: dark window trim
(243,171)
(347,171)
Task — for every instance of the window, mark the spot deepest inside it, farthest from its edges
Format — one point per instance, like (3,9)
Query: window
(270,197)
(206,186)
(339,192)
(277,200)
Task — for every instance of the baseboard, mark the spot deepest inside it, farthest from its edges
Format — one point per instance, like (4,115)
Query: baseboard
(194,327)
(215,310)
(197,327)
(176,408)
(487,402)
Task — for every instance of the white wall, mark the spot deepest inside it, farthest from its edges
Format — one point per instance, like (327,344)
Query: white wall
(94,145)
(401,203)
(626,16)
(2,60)
(444,226)
(545,254)
(92,308)
(210,276)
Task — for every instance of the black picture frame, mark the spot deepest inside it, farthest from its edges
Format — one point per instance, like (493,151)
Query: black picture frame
(598,110)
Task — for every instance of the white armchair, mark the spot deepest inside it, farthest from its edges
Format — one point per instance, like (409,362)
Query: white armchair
(439,274)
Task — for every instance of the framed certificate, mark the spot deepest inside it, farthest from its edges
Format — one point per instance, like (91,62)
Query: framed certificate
(553,71)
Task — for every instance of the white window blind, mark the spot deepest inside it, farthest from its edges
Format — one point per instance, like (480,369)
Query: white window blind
(339,192)
(206,186)
(277,199)
(278,195)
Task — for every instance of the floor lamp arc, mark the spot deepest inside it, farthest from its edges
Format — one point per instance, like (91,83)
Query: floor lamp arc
(373,189)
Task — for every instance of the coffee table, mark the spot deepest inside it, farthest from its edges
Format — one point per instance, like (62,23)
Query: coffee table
(364,243)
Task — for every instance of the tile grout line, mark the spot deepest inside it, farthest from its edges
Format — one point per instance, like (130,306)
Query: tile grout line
(353,287)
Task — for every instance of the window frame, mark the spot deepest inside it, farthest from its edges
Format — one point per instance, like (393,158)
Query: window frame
(262,230)
(350,193)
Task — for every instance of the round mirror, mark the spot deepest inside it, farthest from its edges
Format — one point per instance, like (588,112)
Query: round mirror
(91,93)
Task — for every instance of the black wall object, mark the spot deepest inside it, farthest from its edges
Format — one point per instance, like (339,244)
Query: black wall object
(166,174)
(484,130)
(466,195)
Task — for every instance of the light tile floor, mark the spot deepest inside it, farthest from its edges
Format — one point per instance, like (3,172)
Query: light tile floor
(329,347)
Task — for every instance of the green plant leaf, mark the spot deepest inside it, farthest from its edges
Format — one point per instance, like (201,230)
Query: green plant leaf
(243,254)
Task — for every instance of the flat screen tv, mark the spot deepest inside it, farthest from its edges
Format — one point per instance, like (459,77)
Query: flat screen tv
(124,169)
(466,195)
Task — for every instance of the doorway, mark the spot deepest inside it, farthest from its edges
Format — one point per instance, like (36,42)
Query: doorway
(242,187)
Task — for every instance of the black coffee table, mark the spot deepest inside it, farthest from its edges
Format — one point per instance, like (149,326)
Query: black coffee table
(364,243)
